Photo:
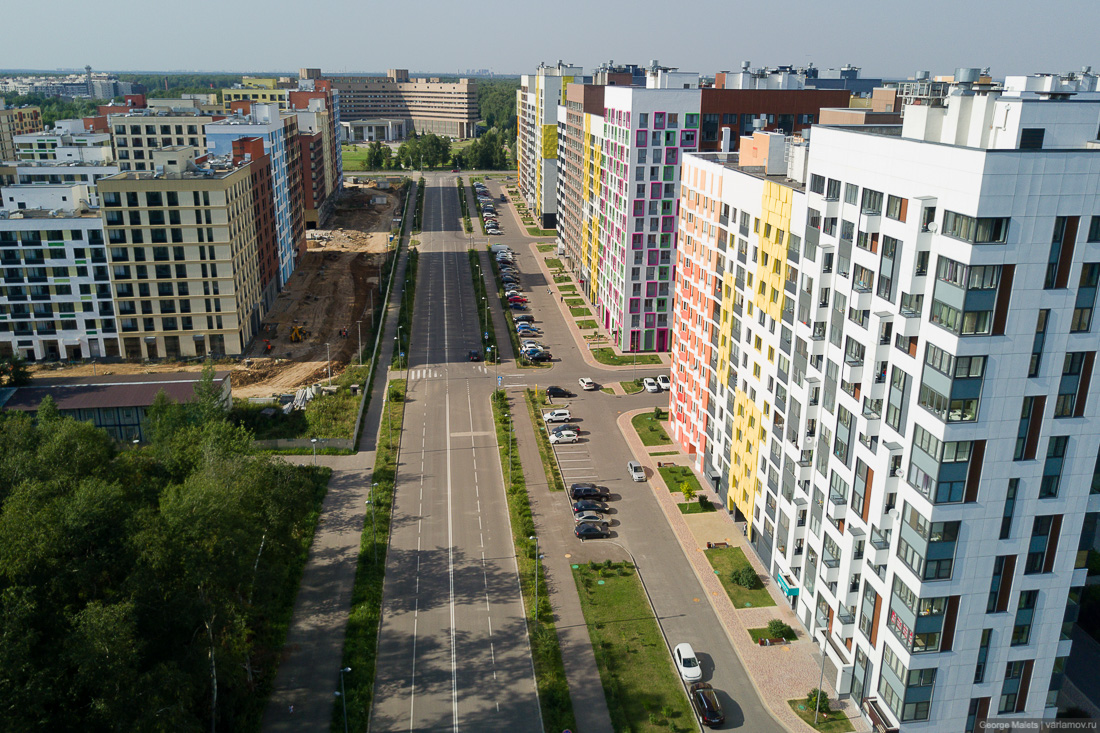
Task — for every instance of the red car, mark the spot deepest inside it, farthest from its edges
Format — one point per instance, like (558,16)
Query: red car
(454,170)
(517,299)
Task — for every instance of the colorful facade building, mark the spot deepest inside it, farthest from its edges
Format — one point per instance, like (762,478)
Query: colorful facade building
(883,352)
(16,121)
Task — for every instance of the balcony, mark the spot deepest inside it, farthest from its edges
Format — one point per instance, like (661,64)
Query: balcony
(846,617)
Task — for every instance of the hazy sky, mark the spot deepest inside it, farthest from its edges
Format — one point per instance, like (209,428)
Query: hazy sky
(884,37)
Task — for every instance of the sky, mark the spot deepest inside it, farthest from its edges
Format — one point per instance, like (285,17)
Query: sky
(885,38)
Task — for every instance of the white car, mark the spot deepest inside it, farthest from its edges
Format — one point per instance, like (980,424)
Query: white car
(587,384)
(591,517)
(566,436)
(687,664)
(650,385)
(530,345)
(664,383)
(557,416)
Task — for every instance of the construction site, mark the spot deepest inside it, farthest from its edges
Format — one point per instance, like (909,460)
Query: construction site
(329,303)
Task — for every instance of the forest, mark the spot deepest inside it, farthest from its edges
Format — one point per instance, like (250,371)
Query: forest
(145,587)
(496,99)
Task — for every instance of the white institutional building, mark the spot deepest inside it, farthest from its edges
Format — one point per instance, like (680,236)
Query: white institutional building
(884,343)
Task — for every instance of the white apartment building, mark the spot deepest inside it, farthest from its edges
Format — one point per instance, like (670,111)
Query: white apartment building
(884,349)
(67,141)
(537,102)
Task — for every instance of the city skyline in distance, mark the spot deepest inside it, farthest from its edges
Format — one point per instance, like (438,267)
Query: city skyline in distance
(1010,39)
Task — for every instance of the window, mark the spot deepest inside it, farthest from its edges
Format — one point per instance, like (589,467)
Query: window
(983,654)
(1031,138)
(896,207)
(833,191)
(1027,434)
(872,202)
(817,183)
(986,230)
(1052,469)
(1025,610)
(1037,549)
(1010,508)
(1037,345)
(1014,671)
(851,193)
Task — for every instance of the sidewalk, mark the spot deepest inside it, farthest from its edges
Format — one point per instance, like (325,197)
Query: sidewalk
(555,529)
(578,335)
(302,696)
(778,673)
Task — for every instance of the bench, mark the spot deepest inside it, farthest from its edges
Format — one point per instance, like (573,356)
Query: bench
(713,545)
(771,642)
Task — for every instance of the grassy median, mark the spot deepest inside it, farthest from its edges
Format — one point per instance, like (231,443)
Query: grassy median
(557,707)
(642,689)
(361,637)
(491,353)
(546,451)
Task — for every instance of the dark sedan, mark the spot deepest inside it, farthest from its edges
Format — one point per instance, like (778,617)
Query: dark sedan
(706,705)
(587,531)
(587,505)
(588,491)
(558,392)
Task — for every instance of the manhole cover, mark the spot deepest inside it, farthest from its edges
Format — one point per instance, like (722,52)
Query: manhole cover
(599,582)
(576,567)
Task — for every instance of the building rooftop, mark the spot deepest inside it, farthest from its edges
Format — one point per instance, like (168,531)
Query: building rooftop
(84,213)
(731,161)
(87,393)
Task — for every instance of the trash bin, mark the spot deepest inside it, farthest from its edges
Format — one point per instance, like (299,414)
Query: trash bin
(354,389)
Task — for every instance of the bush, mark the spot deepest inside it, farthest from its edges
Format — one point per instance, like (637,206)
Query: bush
(778,629)
(746,577)
(704,502)
(812,700)
(658,413)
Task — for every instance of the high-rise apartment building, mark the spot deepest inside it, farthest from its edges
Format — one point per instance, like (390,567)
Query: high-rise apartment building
(16,121)
(137,133)
(279,132)
(183,246)
(537,101)
(884,349)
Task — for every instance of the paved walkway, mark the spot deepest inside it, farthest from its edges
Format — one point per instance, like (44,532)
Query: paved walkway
(778,673)
(309,672)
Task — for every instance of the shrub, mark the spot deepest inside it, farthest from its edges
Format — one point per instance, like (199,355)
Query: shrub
(812,700)
(658,414)
(746,577)
(778,629)
(704,501)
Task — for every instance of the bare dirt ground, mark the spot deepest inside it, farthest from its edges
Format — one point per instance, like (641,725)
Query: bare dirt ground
(335,284)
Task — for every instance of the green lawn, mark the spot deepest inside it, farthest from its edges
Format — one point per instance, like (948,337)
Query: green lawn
(567,288)
(607,355)
(554,263)
(631,387)
(574,302)
(642,689)
(762,633)
(665,453)
(579,311)
(833,723)
(649,429)
(608,390)
(536,232)
(676,475)
(587,324)
(546,247)
(694,507)
(728,560)
(562,279)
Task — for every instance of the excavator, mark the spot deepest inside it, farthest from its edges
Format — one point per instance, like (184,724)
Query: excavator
(297,333)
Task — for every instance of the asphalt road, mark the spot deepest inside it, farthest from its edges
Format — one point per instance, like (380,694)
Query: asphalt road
(453,649)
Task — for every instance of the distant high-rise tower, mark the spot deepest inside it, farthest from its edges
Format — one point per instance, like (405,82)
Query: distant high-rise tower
(88,79)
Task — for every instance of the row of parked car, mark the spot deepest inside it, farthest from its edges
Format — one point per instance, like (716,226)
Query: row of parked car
(524,321)
(488,210)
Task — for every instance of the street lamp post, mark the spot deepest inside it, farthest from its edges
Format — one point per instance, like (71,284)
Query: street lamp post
(328,362)
(537,557)
(373,545)
(359,331)
(313,442)
(820,680)
(344,697)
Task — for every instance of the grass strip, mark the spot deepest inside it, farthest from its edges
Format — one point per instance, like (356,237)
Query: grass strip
(488,333)
(727,562)
(649,429)
(694,507)
(536,232)
(643,691)
(546,452)
(676,475)
(587,324)
(361,637)
(607,355)
(762,633)
(419,215)
(557,707)
(631,387)
(554,263)
(404,317)
(547,247)
(827,723)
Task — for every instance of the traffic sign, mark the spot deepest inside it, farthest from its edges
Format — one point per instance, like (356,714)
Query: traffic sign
(500,380)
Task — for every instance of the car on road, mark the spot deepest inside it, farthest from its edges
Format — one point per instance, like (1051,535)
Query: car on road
(557,416)
(587,505)
(587,490)
(587,384)
(541,356)
(635,470)
(687,664)
(594,517)
(650,385)
(707,707)
(555,391)
(454,170)
(473,355)
(565,436)
(590,531)
(664,383)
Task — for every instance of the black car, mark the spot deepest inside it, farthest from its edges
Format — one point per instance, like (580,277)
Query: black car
(558,392)
(706,705)
(588,531)
(541,356)
(474,355)
(587,505)
(588,491)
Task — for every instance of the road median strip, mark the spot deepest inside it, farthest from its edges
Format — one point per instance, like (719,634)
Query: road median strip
(546,451)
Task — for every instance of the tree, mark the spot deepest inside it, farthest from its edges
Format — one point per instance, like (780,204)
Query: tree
(746,577)
(207,404)
(812,698)
(778,629)
(48,413)
(14,372)
(688,490)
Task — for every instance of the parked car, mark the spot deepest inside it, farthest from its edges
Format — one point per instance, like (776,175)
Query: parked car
(587,490)
(529,344)
(526,329)
(650,385)
(495,232)
(541,356)
(454,170)
(594,517)
(637,473)
(664,382)
(707,707)
(587,384)
(687,664)
(564,437)
(517,306)
(557,416)
(473,355)
(590,531)
(554,391)
(587,505)
(523,318)
(566,428)
(517,299)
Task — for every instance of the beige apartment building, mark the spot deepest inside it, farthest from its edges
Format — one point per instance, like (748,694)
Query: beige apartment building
(182,247)
(16,121)
(137,134)
(424,104)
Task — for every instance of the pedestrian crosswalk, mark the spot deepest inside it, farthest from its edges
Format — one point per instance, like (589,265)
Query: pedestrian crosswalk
(425,373)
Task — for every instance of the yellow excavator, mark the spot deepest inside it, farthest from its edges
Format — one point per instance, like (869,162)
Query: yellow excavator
(297,333)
